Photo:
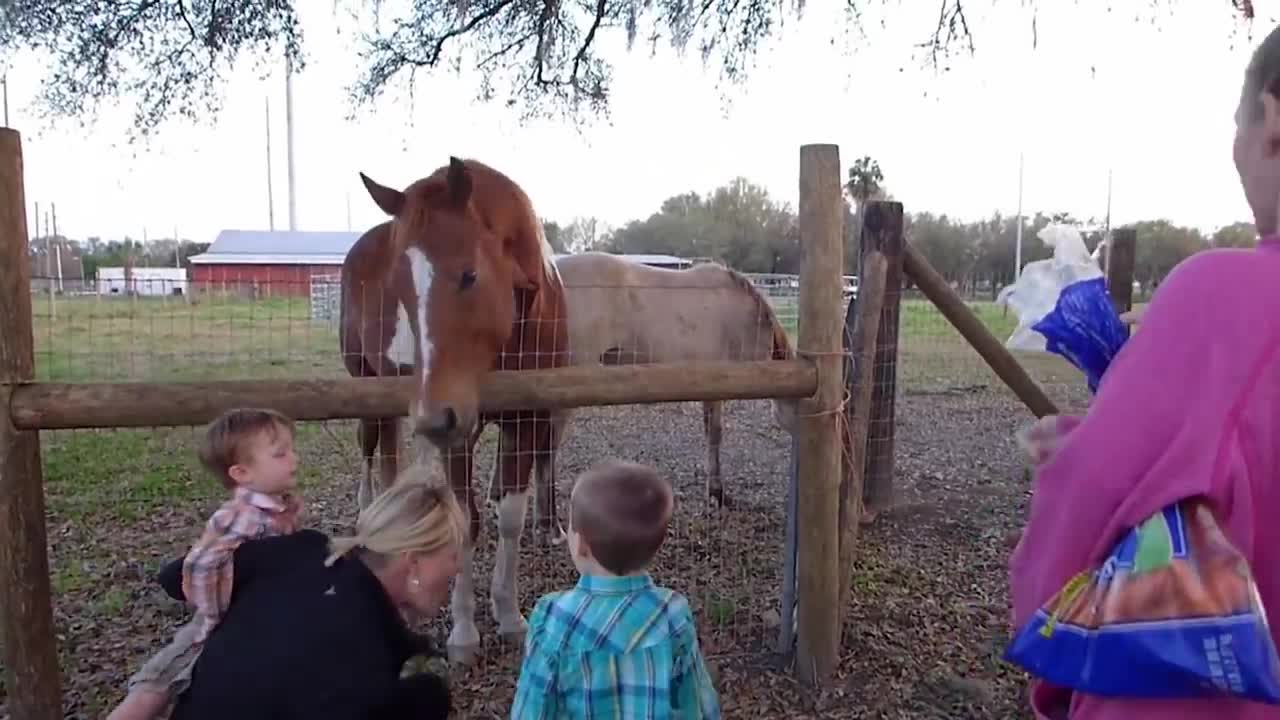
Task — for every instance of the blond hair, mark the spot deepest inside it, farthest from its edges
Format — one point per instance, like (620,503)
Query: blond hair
(418,514)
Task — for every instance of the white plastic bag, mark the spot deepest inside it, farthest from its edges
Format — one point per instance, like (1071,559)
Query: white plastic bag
(1036,292)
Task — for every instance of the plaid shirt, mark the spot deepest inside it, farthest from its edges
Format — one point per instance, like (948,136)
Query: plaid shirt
(613,648)
(207,568)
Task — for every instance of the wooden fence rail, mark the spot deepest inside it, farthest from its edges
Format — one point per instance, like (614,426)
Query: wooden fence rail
(57,406)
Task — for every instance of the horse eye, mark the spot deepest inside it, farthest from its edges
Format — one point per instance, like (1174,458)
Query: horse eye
(468,278)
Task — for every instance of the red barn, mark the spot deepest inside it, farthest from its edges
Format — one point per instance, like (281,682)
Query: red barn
(270,263)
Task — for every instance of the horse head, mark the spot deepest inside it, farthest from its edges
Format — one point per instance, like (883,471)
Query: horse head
(461,305)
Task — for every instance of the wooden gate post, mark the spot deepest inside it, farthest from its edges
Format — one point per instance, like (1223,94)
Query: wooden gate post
(1121,258)
(861,329)
(886,236)
(818,427)
(30,651)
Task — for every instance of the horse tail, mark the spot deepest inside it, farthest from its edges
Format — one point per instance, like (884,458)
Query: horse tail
(781,349)
(779,341)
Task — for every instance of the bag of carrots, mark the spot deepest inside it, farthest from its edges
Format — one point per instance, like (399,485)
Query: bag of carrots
(1172,612)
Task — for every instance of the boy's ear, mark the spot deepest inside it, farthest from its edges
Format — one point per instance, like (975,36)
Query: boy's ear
(581,550)
(238,473)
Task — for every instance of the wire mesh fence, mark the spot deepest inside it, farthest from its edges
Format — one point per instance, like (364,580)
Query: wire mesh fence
(935,359)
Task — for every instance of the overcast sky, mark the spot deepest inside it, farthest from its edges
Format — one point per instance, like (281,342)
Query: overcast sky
(1101,90)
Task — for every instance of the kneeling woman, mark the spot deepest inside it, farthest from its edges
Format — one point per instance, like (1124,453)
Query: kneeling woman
(315,628)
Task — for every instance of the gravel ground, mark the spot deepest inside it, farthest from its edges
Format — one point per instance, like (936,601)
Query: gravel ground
(922,638)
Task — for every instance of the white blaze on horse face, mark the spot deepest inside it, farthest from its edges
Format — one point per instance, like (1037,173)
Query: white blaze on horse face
(422,272)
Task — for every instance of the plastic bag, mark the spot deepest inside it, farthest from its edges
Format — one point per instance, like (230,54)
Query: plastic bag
(1173,612)
(1063,306)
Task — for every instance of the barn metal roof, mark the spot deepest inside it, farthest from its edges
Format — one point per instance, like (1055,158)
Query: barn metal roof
(277,247)
(310,247)
(644,259)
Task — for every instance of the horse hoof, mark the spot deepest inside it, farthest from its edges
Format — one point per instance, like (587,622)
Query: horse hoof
(512,629)
(546,538)
(464,655)
(514,635)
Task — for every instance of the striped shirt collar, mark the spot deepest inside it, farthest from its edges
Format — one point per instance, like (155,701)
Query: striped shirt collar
(257,499)
(614,584)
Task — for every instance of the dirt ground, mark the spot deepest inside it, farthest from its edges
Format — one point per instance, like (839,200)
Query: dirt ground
(922,639)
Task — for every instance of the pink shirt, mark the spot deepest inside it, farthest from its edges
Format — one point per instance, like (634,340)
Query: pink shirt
(1190,406)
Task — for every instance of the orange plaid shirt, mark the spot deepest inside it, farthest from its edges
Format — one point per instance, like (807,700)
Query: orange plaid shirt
(207,568)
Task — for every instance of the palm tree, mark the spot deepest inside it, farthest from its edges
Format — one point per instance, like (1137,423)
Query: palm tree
(864,183)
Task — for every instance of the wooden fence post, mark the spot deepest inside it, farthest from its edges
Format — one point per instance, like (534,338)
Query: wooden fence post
(885,236)
(1121,258)
(818,428)
(858,365)
(30,651)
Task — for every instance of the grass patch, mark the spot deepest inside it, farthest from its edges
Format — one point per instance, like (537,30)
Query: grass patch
(101,476)
(122,475)
(109,339)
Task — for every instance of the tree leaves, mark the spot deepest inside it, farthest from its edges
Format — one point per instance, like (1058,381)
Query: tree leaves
(171,56)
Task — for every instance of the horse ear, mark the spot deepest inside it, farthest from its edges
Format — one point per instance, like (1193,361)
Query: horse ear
(458,181)
(390,201)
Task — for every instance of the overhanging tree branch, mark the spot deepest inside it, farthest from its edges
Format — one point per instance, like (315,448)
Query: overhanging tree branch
(171,56)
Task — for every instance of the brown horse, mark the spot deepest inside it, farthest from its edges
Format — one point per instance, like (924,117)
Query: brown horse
(623,312)
(459,282)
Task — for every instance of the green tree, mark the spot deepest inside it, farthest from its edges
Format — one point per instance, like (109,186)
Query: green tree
(738,224)
(552,231)
(1237,234)
(864,181)
(1161,246)
(172,56)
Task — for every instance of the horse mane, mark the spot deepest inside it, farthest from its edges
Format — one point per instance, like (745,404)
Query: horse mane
(780,343)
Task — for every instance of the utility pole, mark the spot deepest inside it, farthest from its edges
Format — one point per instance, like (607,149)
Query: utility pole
(53,209)
(271,203)
(288,116)
(1017,250)
(1106,233)
(4,83)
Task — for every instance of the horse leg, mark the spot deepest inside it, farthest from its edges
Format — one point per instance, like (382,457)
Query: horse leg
(464,638)
(367,433)
(389,436)
(516,448)
(549,531)
(713,426)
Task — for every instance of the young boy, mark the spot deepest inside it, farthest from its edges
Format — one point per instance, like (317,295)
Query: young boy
(616,645)
(251,452)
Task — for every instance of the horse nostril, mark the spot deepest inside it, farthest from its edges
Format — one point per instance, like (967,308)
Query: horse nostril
(438,424)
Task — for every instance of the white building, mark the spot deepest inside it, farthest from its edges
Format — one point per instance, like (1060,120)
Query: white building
(143,281)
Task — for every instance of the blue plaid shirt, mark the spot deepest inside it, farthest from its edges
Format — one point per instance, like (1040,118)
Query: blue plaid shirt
(614,647)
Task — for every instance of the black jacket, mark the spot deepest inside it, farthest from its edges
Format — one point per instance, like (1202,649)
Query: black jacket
(301,640)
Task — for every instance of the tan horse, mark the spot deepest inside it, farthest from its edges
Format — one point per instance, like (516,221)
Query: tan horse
(459,282)
(623,312)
